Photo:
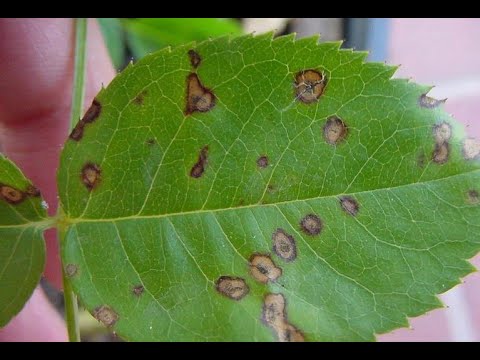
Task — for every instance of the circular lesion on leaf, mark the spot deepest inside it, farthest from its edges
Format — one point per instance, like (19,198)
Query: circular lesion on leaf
(138,290)
(106,315)
(11,195)
(441,133)
(71,270)
(91,175)
(309,85)
(473,196)
(349,205)
(262,162)
(335,130)
(263,269)
(284,245)
(471,149)
(234,288)
(311,225)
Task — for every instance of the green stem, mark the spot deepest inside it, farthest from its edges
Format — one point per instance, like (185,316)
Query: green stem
(71,304)
(79,70)
(71,309)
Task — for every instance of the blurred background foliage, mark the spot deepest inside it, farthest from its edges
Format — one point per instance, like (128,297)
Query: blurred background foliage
(132,39)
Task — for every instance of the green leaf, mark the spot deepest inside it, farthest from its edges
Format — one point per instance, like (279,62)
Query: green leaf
(272,160)
(113,36)
(147,35)
(22,250)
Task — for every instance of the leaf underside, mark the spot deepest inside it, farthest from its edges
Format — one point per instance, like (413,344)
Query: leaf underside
(22,250)
(194,161)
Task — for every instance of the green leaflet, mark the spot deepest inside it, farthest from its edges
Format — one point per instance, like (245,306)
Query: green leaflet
(190,165)
(22,250)
(147,35)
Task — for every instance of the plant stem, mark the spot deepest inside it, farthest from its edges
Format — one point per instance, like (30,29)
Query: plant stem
(79,70)
(78,91)
(71,309)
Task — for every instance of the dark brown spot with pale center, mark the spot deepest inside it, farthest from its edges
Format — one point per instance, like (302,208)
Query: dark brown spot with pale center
(151,142)
(471,149)
(262,162)
(106,315)
(334,130)
(349,205)
(441,153)
(11,194)
(140,98)
(421,159)
(263,269)
(311,225)
(234,288)
(90,116)
(284,245)
(441,134)
(195,58)
(138,290)
(91,176)
(473,196)
(199,98)
(71,270)
(429,102)
(309,86)
(199,168)
(274,315)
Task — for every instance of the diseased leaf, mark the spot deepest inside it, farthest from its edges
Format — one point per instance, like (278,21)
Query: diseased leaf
(22,250)
(259,189)
(145,36)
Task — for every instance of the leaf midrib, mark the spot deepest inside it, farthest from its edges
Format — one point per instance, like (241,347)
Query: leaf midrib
(73,220)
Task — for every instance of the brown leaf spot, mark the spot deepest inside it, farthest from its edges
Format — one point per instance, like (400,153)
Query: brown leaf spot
(71,270)
(284,245)
(263,269)
(290,333)
(274,315)
(140,98)
(273,309)
(334,130)
(90,116)
(349,205)
(199,98)
(421,159)
(32,191)
(428,102)
(138,290)
(232,287)
(91,176)
(151,142)
(262,162)
(471,149)
(442,132)
(311,225)
(195,58)
(106,315)
(271,188)
(473,196)
(199,167)
(11,194)
(441,153)
(309,85)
